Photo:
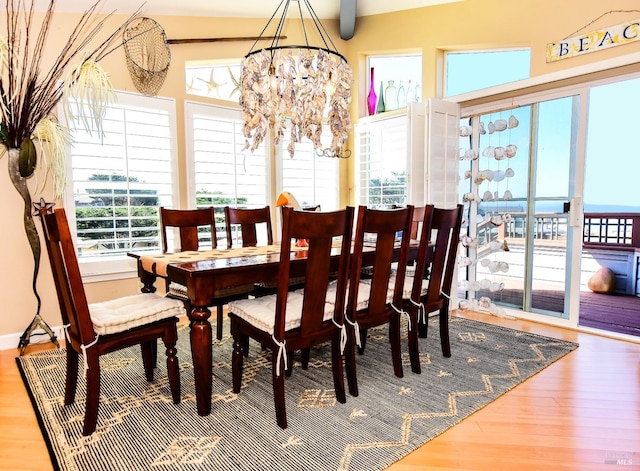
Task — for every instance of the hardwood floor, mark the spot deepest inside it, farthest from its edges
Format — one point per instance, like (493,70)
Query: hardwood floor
(581,413)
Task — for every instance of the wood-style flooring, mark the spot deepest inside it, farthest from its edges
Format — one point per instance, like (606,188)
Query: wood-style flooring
(581,413)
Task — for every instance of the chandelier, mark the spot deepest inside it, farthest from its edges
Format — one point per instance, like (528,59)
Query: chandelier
(296,88)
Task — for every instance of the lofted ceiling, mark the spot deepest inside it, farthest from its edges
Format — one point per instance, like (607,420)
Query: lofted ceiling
(325,9)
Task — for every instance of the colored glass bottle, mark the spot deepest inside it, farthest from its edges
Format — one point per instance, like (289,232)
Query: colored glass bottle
(381,108)
(372,98)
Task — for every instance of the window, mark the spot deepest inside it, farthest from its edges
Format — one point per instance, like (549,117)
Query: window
(118,181)
(467,71)
(220,172)
(312,179)
(214,80)
(381,162)
(396,80)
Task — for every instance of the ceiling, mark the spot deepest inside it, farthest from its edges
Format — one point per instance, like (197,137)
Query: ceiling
(325,9)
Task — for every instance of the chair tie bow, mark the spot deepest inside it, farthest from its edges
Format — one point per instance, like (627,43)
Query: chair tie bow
(282,353)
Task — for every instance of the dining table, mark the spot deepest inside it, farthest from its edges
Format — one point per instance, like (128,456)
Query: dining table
(203,273)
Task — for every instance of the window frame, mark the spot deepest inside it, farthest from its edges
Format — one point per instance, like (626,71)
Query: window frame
(115,267)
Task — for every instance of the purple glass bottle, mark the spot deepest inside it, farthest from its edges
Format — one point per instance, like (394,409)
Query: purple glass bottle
(372,98)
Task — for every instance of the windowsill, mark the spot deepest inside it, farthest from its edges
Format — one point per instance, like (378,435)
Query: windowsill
(108,269)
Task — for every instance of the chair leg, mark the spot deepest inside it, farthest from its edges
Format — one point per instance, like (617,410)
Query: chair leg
(93,393)
(71,382)
(220,312)
(173,370)
(423,327)
(363,341)
(289,369)
(149,357)
(278,391)
(236,361)
(350,363)
(304,358)
(337,369)
(444,330)
(414,353)
(396,351)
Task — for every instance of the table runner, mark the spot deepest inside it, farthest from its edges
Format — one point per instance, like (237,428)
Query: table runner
(157,263)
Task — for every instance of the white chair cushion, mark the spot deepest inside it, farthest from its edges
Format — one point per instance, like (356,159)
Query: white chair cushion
(363,293)
(260,312)
(408,287)
(118,315)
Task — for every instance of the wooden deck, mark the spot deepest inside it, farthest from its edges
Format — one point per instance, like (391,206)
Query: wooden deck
(610,312)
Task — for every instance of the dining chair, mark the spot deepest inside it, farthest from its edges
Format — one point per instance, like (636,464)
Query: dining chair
(247,220)
(297,320)
(430,289)
(92,330)
(191,223)
(371,303)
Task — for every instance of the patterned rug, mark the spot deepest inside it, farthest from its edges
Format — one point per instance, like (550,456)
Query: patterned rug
(140,428)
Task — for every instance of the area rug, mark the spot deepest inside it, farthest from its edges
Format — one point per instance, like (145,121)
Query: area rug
(140,428)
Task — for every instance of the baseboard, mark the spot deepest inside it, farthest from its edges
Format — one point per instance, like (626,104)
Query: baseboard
(10,341)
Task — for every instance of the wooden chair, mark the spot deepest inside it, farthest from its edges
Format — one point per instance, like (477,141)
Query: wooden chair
(189,223)
(430,289)
(369,303)
(248,221)
(92,330)
(297,320)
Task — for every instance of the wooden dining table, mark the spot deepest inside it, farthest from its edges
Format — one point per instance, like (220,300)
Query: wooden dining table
(203,273)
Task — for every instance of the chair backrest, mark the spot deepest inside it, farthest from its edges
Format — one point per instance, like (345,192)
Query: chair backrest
(416,221)
(443,234)
(188,222)
(321,230)
(66,276)
(378,228)
(248,220)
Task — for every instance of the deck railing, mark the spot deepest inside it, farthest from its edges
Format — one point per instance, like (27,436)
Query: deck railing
(601,230)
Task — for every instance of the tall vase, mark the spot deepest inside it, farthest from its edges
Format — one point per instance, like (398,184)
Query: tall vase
(372,98)
(20,183)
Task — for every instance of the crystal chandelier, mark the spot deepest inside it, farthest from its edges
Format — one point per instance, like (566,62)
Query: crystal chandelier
(293,88)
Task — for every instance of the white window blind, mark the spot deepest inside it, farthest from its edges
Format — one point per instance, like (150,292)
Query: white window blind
(221,173)
(118,180)
(381,161)
(312,179)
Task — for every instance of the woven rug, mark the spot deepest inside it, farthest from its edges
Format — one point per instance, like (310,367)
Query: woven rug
(140,428)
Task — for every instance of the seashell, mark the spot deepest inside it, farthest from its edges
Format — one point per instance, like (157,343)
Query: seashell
(467,174)
(509,173)
(484,302)
(482,130)
(497,311)
(492,127)
(500,153)
(485,262)
(493,267)
(502,266)
(511,150)
(489,151)
(468,241)
(488,196)
(507,217)
(496,287)
(488,174)
(500,124)
(475,286)
(505,247)
(479,179)
(513,122)
(465,131)
(498,175)
(495,245)
(495,195)
(464,304)
(496,220)
(471,154)
(465,262)
(467,197)
(507,196)
(485,284)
